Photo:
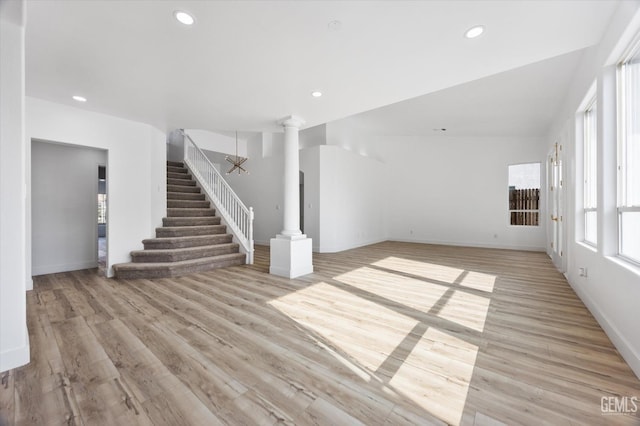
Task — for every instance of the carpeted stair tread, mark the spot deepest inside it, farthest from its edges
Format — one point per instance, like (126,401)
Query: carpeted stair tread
(185,196)
(190,231)
(183,188)
(179,212)
(190,221)
(173,169)
(188,204)
(183,176)
(175,164)
(173,269)
(180,182)
(188,241)
(186,253)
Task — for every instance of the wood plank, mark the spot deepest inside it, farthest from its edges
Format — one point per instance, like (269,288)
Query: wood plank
(393,333)
(42,393)
(7,398)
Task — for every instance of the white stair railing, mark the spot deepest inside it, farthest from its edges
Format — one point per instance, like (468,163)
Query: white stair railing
(238,218)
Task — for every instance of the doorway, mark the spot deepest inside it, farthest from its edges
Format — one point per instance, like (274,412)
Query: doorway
(65,184)
(102,218)
(301,177)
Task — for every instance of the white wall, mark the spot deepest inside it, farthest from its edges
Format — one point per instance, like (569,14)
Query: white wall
(64,184)
(353,200)
(175,147)
(422,191)
(157,178)
(310,165)
(263,187)
(342,208)
(611,289)
(446,190)
(216,142)
(136,171)
(313,136)
(14,339)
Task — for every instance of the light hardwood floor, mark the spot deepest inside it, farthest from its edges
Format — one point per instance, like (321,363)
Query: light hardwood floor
(392,333)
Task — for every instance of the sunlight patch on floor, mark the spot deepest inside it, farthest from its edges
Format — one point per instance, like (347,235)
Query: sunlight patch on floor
(417,294)
(436,375)
(366,331)
(479,281)
(431,271)
(466,309)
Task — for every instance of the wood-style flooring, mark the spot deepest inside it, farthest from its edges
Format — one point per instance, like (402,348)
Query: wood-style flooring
(392,333)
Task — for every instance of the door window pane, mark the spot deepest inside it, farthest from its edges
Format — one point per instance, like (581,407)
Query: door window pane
(524,194)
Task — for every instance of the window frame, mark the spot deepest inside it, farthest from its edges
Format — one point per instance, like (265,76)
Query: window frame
(623,205)
(537,211)
(590,167)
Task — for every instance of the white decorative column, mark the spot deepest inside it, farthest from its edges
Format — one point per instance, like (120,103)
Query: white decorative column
(291,249)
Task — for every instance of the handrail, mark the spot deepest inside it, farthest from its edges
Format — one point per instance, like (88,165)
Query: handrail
(237,216)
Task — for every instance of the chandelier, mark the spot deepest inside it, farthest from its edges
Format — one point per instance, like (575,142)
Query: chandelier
(236,161)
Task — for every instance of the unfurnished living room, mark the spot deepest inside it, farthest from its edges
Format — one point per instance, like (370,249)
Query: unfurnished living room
(320,212)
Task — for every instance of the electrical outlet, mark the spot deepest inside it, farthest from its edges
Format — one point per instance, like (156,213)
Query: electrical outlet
(582,272)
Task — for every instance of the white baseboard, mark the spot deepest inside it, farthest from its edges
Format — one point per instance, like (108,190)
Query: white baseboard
(52,269)
(15,357)
(343,247)
(467,244)
(623,346)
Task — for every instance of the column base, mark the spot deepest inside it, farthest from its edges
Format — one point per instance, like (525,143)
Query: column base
(291,257)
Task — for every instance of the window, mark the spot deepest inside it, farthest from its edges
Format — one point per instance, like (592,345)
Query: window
(102,209)
(524,194)
(629,157)
(102,195)
(590,174)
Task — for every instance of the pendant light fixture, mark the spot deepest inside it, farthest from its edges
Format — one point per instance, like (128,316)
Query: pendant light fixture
(236,161)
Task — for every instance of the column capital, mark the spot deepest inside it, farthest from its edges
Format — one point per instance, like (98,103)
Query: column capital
(291,121)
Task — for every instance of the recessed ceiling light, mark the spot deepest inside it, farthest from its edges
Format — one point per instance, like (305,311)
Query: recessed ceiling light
(316,94)
(474,32)
(184,17)
(79,98)
(334,25)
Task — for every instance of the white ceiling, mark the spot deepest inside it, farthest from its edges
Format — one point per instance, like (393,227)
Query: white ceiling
(518,102)
(245,64)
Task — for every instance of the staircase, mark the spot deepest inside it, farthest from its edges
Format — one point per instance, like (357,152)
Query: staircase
(191,238)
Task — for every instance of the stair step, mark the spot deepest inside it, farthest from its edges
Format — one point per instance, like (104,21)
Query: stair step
(180,182)
(173,169)
(188,204)
(191,239)
(183,176)
(179,212)
(175,269)
(184,196)
(183,221)
(190,231)
(188,241)
(176,255)
(183,188)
